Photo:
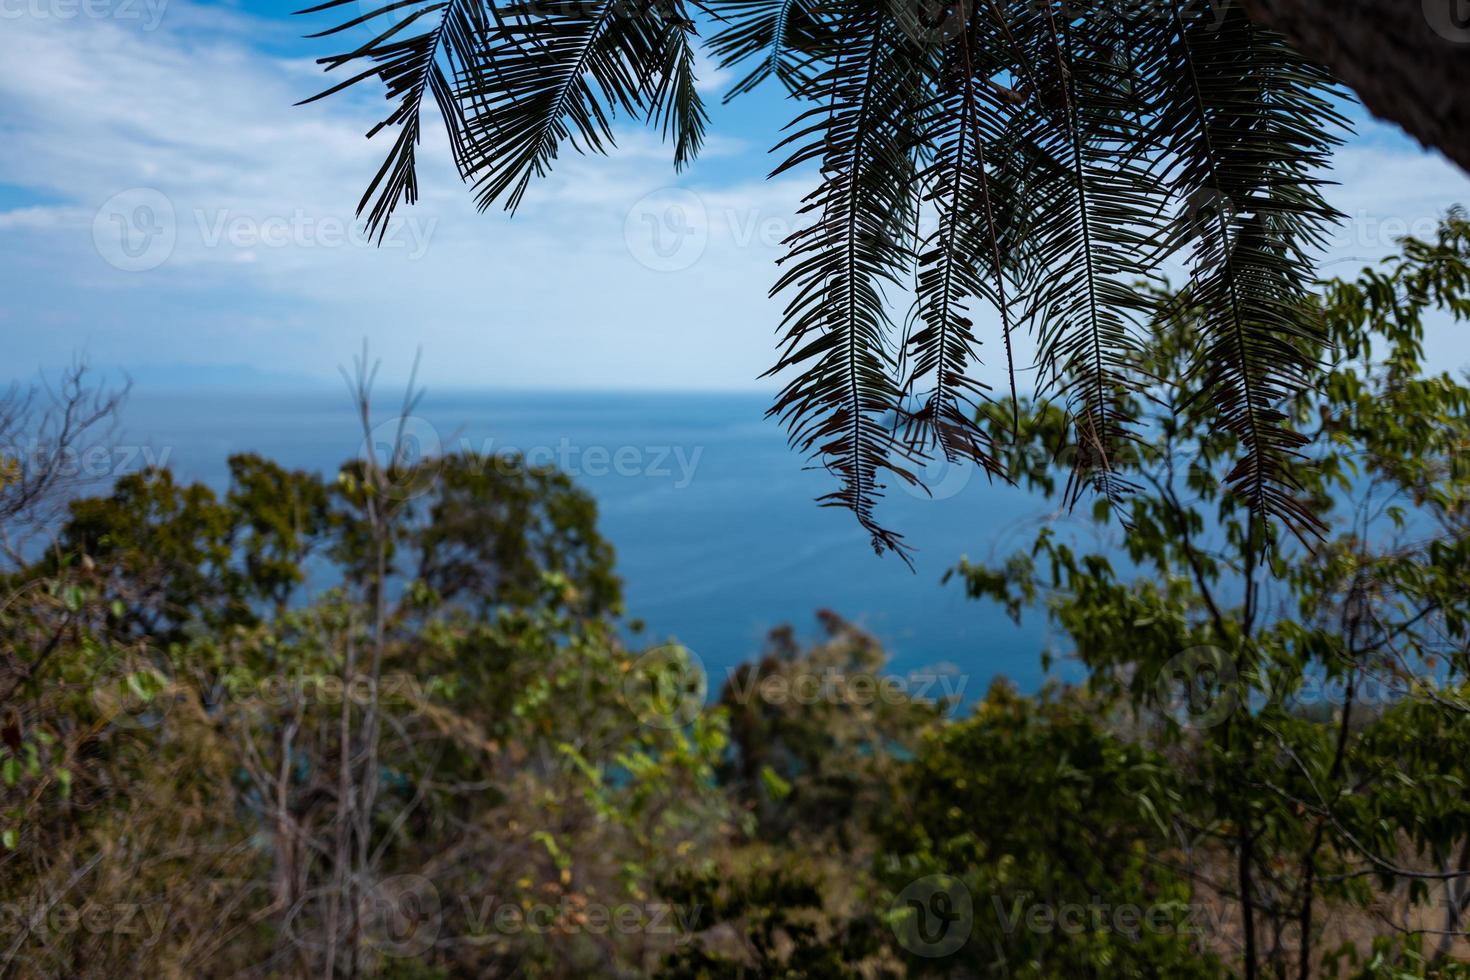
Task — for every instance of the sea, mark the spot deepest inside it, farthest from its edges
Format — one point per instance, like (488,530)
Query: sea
(719,538)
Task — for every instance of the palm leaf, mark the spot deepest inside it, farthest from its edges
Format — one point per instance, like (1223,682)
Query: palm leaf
(788,40)
(1094,203)
(676,106)
(556,72)
(1046,140)
(961,261)
(517,82)
(836,324)
(420,53)
(1248,129)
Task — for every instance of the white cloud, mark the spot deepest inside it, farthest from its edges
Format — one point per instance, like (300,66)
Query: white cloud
(239,208)
(611,275)
(42,218)
(712,80)
(1388,193)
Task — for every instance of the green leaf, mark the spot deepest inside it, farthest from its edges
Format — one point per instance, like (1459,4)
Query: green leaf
(776,787)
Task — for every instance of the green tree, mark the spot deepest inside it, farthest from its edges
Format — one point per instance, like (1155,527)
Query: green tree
(495,525)
(223,774)
(1321,722)
(819,732)
(167,550)
(283,516)
(1052,823)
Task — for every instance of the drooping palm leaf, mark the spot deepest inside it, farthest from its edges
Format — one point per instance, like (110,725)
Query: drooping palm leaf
(515,82)
(1249,128)
(557,72)
(420,47)
(962,261)
(677,108)
(788,40)
(1091,204)
(1062,152)
(837,324)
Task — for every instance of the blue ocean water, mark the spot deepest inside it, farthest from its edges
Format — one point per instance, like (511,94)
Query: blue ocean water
(718,537)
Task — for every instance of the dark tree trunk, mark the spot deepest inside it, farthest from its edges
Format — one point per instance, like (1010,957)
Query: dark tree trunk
(1408,60)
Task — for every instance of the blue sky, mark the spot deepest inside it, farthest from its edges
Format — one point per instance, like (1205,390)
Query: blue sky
(165,210)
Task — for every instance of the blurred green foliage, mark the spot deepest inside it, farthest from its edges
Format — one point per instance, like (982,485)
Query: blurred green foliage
(218,759)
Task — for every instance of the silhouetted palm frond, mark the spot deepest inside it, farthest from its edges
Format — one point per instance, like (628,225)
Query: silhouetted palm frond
(556,72)
(1088,207)
(1249,129)
(515,82)
(676,105)
(420,46)
(787,40)
(837,326)
(1021,164)
(962,261)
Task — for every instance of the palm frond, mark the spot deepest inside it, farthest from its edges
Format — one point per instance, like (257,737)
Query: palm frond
(836,323)
(961,261)
(1093,204)
(1249,127)
(556,72)
(516,82)
(426,43)
(1065,151)
(788,40)
(676,106)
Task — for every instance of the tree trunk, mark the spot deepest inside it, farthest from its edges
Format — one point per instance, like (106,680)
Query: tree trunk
(1408,60)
